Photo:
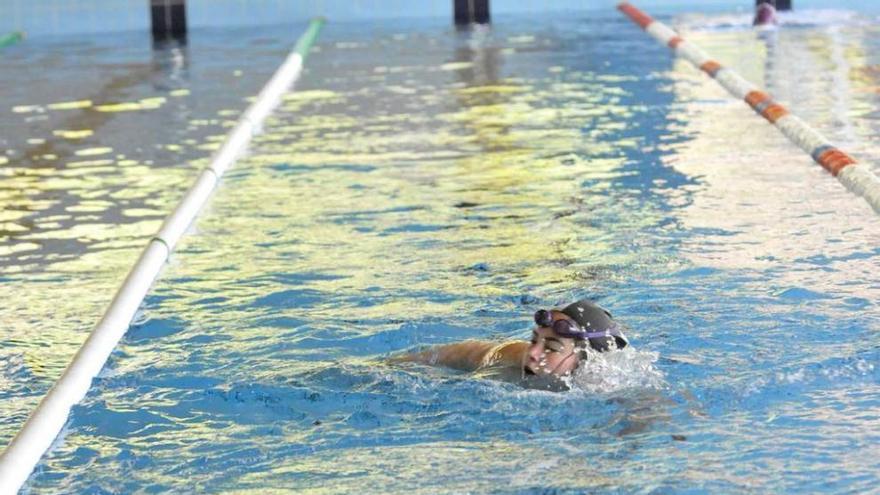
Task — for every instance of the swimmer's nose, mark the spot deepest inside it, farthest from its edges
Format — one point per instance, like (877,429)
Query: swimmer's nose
(535,353)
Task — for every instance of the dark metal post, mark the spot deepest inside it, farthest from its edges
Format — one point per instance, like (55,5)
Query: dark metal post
(169,18)
(471,11)
(779,4)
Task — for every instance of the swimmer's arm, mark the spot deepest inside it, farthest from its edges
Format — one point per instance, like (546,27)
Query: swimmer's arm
(465,356)
(469,355)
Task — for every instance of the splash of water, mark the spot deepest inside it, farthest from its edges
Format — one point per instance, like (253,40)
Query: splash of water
(615,371)
(743,21)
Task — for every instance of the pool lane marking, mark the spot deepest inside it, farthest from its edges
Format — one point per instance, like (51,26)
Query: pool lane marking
(857,178)
(23,453)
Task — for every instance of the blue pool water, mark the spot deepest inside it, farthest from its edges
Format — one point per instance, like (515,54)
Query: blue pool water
(425,186)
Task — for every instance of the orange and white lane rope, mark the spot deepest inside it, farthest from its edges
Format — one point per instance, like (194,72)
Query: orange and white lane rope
(857,178)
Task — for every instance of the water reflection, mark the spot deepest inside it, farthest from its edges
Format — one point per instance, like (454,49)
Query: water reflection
(424,187)
(100,141)
(170,64)
(477,62)
(417,200)
(50,186)
(792,187)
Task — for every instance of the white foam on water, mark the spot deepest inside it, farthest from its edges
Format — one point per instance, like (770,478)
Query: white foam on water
(824,17)
(620,370)
(796,18)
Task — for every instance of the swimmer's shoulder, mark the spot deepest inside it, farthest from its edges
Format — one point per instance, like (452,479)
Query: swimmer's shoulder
(506,354)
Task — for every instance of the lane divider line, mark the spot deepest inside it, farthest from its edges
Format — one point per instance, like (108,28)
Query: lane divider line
(857,178)
(21,456)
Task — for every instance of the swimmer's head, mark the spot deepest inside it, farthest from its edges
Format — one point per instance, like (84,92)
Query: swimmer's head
(561,338)
(595,325)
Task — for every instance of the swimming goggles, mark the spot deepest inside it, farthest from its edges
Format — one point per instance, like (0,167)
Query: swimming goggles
(568,328)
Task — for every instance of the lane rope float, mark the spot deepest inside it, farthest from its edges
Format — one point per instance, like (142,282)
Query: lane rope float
(42,427)
(857,178)
(11,38)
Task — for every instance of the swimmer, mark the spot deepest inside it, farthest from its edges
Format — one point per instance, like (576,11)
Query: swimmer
(765,14)
(561,340)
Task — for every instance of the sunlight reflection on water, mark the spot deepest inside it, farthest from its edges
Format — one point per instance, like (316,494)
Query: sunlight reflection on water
(426,186)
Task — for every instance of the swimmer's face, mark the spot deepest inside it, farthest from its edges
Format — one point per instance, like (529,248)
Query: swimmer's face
(549,353)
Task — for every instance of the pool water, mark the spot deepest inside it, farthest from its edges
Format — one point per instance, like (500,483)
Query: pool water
(424,186)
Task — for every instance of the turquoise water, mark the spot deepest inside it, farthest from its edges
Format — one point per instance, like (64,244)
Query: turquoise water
(425,186)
